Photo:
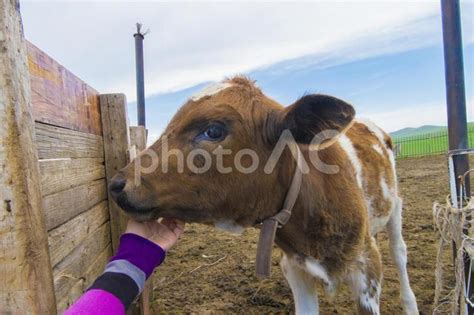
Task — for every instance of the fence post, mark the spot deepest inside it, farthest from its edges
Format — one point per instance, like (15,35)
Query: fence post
(26,279)
(138,139)
(113,109)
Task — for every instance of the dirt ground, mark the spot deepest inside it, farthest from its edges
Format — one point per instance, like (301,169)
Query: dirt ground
(213,272)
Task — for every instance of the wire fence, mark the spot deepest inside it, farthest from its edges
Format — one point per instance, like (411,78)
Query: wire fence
(426,144)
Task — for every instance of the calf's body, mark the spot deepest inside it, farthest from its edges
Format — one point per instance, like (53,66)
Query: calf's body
(330,234)
(209,167)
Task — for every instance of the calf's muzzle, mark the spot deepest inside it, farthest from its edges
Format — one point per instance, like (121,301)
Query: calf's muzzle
(118,192)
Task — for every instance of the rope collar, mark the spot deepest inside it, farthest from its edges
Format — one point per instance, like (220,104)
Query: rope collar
(270,225)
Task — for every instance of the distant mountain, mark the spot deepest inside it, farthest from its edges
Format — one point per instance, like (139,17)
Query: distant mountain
(423,130)
(409,131)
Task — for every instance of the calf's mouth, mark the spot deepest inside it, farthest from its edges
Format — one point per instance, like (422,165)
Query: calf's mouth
(141,214)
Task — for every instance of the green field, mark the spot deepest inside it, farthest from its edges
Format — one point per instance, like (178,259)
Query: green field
(411,142)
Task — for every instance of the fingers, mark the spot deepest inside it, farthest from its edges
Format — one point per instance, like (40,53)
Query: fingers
(164,233)
(179,227)
(169,223)
(175,225)
(180,224)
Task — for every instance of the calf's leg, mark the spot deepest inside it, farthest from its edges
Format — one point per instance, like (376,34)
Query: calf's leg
(398,250)
(302,286)
(366,280)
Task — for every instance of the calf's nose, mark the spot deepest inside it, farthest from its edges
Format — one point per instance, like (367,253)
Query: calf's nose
(117,184)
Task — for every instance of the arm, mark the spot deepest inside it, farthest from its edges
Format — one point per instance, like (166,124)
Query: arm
(141,249)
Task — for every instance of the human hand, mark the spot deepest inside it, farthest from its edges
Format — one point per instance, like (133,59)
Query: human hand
(164,233)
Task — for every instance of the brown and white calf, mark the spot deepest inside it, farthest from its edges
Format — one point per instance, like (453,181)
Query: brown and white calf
(330,235)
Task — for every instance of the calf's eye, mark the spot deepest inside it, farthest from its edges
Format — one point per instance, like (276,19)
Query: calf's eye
(214,132)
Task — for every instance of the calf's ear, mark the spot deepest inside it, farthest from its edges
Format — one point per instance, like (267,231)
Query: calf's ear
(313,114)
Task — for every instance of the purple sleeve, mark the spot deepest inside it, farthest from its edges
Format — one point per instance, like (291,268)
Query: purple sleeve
(97,302)
(123,279)
(141,252)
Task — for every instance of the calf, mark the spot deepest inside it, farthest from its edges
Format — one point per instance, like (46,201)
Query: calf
(210,167)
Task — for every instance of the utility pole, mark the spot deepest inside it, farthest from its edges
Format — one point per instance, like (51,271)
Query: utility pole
(139,37)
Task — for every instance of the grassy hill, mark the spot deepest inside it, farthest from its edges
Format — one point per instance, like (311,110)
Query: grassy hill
(423,130)
(409,131)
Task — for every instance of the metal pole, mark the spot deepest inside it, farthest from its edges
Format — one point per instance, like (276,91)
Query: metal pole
(139,37)
(456,99)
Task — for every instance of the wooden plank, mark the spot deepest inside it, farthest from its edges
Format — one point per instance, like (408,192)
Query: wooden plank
(25,273)
(61,174)
(145,297)
(116,142)
(59,97)
(76,264)
(65,205)
(63,239)
(56,142)
(96,268)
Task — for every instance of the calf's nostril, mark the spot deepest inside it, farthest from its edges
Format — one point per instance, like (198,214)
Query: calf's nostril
(118,184)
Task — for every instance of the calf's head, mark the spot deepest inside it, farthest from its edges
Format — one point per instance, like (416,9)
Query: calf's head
(209,165)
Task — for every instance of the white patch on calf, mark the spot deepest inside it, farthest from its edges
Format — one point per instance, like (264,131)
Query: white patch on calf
(314,268)
(229,226)
(302,286)
(374,129)
(391,157)
(367,292)
(348,147)
(377,224)
(378,148)
(211,89)
(381,137)
(371,301)
(386,192)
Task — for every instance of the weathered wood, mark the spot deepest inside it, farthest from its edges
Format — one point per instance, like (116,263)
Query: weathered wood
(145,298)
(63,239)
(61,174)
(76,264)
(65,205)
(25,274)
(86,280)
(56,142)
(138,137)
(59,97)
(116,142)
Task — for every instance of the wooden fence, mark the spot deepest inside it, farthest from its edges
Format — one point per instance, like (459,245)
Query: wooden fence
(60,143)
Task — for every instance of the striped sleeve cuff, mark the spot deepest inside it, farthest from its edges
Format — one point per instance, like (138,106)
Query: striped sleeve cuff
(127,268)
(123,279)
(120,285)
(126,273)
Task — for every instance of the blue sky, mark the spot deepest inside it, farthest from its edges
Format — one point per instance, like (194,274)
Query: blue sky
(384,57)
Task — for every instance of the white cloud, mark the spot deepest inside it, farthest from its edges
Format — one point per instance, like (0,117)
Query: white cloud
(191,43)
